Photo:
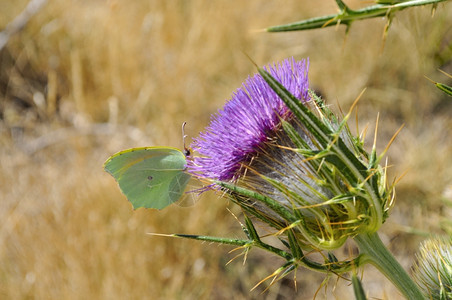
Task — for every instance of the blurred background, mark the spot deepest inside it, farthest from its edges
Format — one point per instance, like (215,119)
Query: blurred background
(81,80)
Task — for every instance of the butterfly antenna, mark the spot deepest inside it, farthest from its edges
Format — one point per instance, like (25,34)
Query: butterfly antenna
(187,151)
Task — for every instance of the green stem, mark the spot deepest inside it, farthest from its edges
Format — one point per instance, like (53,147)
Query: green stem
(376,253)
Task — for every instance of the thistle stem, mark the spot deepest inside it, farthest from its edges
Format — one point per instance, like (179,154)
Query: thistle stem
(376,253)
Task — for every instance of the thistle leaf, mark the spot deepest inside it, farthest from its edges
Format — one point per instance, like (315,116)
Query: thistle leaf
(358,288)
(445,88)
(346,16)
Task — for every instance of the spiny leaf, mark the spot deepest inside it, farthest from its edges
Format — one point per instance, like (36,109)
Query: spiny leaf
(445,88)
(358,288)
(346,16)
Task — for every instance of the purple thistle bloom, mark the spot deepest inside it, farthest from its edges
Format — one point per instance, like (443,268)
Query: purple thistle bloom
(237,131)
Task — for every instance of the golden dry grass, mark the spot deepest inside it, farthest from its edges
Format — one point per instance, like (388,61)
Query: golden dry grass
(85,79)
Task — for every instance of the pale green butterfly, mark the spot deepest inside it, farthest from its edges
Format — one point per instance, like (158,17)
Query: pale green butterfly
(151,177)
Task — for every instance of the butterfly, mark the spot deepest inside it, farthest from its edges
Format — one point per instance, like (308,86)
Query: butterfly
(150,177)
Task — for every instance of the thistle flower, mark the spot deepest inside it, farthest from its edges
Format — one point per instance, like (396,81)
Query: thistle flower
(257,143)
(281,155)
(433,270)
(237,131)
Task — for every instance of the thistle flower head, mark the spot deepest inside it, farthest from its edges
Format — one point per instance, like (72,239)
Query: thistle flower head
(433,270)
(288,167)
(238,130)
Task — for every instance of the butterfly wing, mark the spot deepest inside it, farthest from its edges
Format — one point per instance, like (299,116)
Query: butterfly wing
(151,177)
